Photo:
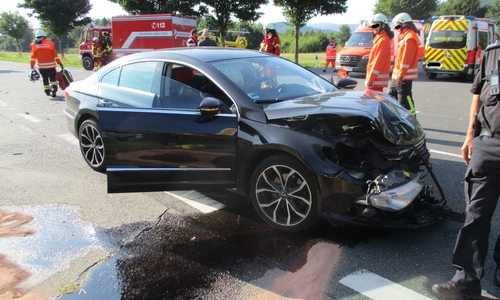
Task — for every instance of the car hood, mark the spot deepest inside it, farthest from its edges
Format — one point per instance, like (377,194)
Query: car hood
(394,122)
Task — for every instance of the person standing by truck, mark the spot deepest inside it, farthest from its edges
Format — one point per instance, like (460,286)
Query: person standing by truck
(406,61)
(271,41)
(331,54)
(97,52)
(44,53)
(193,39)
(379,63)
(107,47)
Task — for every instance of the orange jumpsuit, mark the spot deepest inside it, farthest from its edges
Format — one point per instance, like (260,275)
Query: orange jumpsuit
(331,55)
(45,55)
(379,63)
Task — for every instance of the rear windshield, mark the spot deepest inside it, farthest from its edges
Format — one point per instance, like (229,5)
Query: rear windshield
(360,39)
(448,39)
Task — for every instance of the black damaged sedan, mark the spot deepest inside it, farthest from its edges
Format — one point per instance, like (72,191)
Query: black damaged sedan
(299,147)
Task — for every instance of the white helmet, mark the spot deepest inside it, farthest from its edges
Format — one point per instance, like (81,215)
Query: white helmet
(402,18)
(40,33)
(95,39)
(379,18)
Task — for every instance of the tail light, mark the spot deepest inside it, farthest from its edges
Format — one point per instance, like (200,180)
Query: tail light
(66,95)
(470,58)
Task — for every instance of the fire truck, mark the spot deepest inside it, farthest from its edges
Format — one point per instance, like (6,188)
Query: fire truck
(139,33)
(356,52)
(455,45)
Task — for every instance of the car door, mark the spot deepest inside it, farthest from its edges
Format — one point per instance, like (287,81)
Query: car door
(168,145)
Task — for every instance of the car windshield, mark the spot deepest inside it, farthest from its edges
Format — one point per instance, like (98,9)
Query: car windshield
(448,39)
(271,79)
(360,39)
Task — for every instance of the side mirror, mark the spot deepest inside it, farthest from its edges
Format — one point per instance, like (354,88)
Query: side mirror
(209,107)
(347,83)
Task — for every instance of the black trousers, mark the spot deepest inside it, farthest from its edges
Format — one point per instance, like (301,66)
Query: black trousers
(48,78)
(403,93)
(482,189)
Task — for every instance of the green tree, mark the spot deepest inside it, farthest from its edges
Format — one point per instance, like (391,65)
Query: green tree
(59,16)
(141,7)
(418,10)
(342,36)
(298,13)
(493,10)
(15,26)
(221,11)
(462,7)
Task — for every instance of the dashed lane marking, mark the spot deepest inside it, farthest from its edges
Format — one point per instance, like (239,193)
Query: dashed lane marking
(197,200)
(376,287)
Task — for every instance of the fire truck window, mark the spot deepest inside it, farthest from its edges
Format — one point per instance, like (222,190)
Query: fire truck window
(448,39)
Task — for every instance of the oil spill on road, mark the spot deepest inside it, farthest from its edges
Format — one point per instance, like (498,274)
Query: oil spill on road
(210,256)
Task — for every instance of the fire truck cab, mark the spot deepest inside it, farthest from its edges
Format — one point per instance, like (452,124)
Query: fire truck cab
(138,33)
(455,45)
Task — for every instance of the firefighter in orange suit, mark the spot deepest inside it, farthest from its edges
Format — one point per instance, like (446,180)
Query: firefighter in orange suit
(44,53)
(379,63)
(271,41)
(406,61)
(331,54)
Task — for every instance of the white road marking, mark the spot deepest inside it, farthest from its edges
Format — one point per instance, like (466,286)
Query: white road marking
(445,153)
(379,288)
(197,200)
(30,118)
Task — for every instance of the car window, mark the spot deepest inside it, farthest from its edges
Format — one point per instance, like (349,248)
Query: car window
(112,77)
(138,76)
(272,78)
(185,88)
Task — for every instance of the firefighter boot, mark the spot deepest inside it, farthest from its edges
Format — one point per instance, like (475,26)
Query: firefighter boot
(47,92)
(53,90)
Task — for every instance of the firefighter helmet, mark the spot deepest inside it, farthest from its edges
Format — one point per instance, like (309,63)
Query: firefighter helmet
(402,18)
(379,18)
(40,33)
(95,39)
(33,76)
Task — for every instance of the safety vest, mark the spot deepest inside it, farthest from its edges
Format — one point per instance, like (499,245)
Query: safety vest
(44,53)
(406,60)
(331,52)
(379,63)
(271,45)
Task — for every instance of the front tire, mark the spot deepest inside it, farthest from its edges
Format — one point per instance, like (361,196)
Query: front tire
(284,194)
(88,63)
(92,145)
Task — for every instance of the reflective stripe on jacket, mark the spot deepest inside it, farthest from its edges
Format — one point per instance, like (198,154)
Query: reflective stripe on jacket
(271,45)
(379,63)
(406,60)
(44,53)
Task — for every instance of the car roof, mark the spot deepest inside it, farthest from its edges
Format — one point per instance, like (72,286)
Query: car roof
(203,54)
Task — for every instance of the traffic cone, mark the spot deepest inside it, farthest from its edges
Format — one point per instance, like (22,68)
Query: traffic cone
(342,73)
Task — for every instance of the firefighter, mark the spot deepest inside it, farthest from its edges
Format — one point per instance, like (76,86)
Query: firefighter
(271,41)
(406,61)
(107,47)
(379,63)
(44,54)
(97,52)
(193,39)
(331,54)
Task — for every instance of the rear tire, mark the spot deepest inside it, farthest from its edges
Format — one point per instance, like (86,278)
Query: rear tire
(92,145)
(284,194)
(431,75)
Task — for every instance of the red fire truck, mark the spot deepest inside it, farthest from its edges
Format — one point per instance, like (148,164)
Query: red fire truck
(132,34)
